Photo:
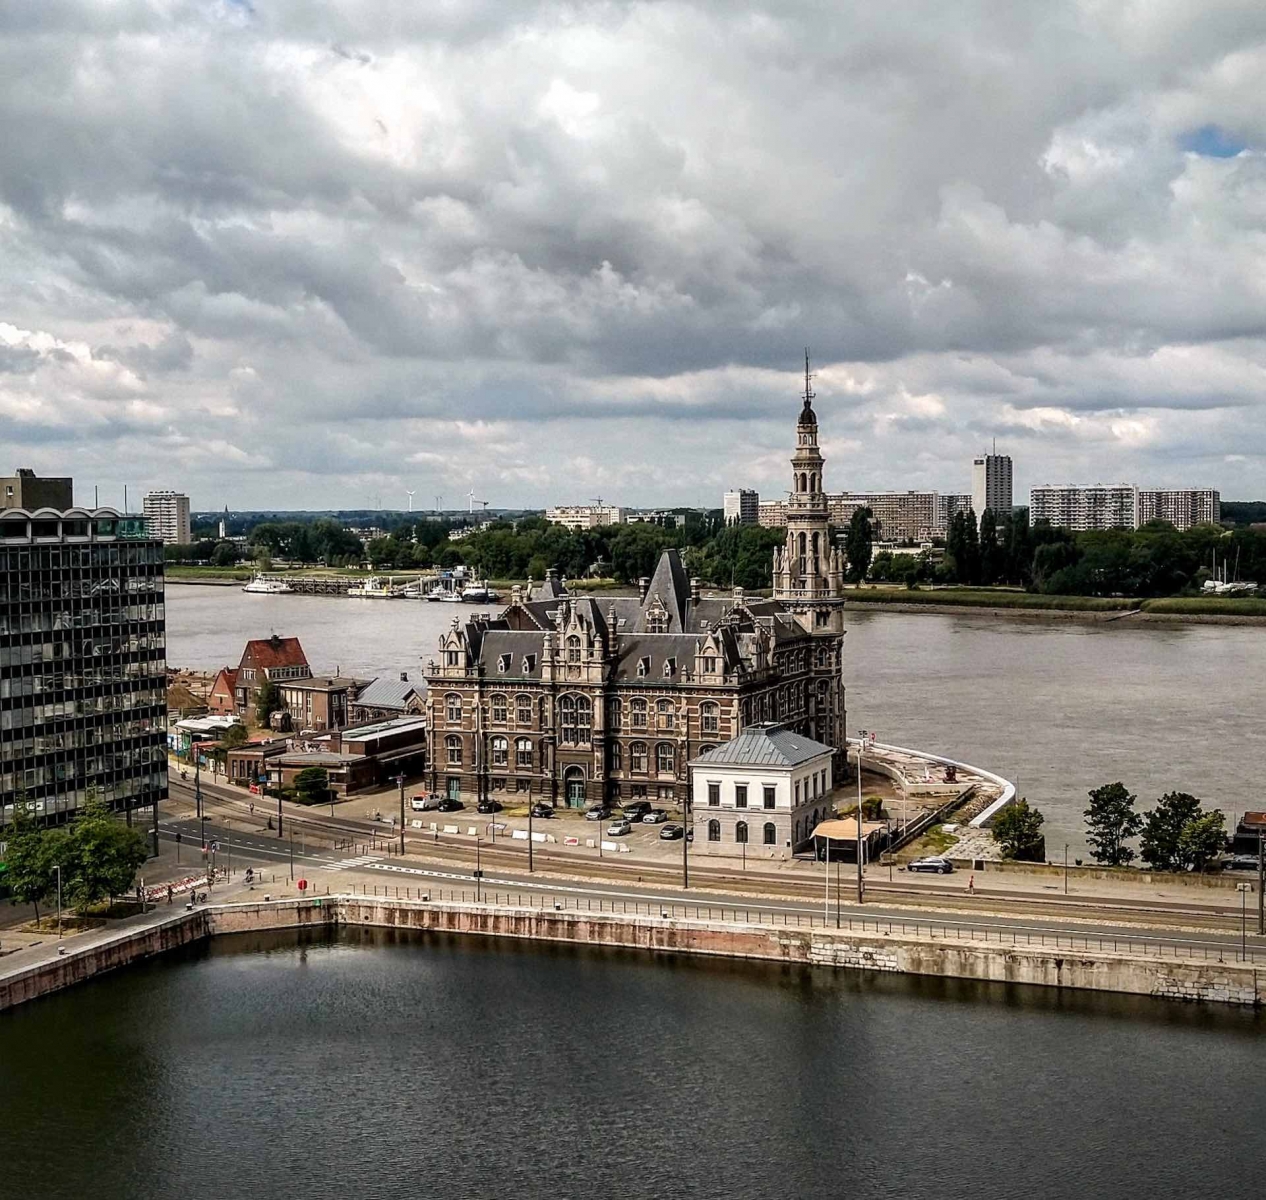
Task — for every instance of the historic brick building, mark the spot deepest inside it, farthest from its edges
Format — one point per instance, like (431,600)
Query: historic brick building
(576,699)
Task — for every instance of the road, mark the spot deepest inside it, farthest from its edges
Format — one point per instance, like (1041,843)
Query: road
(362,868)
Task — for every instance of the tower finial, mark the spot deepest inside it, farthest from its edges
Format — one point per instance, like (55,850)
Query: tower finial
(809,393)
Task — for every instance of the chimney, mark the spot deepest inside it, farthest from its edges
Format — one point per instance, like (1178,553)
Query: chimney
(404,676)
(694,591)
(643,586)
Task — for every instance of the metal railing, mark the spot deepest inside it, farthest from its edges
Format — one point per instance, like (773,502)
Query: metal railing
(1004,936)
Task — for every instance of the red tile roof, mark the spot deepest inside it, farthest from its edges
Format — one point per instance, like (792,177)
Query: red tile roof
(266,653)
(229,675)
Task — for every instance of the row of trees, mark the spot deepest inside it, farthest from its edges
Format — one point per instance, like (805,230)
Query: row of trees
(1177,834)
(98,856)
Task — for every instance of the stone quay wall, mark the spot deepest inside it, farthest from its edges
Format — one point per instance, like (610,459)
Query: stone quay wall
(1168,978)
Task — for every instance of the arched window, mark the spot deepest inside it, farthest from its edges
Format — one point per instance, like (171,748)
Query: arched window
(453,703)
(771,834)
(575,719)
(740,832)
(453,745)
(617,757)
(637,714)
(665,758)
(706,747)
(714,831)
(573,649)
(709,717)
(666,715)
(637,757)
(500,752)
(523,752)
(523,710)
(500,713)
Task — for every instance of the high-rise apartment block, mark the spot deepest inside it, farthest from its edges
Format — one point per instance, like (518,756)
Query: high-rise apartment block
(1181,507)
(1080,508)
(991,484)
(83,699)
(585,516)
(167,515)
(742,507)
(896,516)
(27,490)
(950,504)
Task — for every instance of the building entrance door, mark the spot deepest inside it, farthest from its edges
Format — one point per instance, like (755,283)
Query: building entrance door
(454,788)
(575,782)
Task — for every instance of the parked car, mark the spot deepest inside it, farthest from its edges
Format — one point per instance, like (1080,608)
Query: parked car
(934,865)
(1242,862)
(670,833)
(488,805)
(619,828)
(599,812)
(657,816)
(542,810)
(635,810)
(448,804)
(425,802)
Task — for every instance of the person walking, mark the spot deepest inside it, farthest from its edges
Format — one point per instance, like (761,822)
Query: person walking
(170,893)
(971,885)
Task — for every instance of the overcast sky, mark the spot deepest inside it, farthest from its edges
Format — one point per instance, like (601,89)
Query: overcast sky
(310,254)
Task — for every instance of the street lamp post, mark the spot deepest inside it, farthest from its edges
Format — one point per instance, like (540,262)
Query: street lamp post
(479,874)
(1261,884)
(197,785)
(279,809)
(400,781)
(531,806)
(292,854)
(1065,868)
(861,886)
(685,843)
(58,869)
(1243,889)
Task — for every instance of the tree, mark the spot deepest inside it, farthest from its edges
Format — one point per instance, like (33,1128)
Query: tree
(312,785)
(267,701)
(1163,827)
(1201,841)
(858,542)
(104,855)
(30,858)
(992,556)
(234,736)
(224,555)
(1110,822)
(1018,830)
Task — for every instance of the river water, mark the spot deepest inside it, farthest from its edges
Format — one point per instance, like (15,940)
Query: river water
(1058,707)
(385,1065)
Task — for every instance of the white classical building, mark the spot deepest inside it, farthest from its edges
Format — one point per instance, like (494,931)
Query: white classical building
(760,794)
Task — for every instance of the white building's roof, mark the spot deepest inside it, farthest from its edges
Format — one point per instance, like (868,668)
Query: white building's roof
(765,746)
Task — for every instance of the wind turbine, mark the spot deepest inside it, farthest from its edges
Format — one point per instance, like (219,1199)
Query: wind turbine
(410,495)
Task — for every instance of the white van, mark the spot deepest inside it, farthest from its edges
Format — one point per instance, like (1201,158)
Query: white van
(425,802)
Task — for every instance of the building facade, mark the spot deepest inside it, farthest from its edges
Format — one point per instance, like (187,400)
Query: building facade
(167,515)
(772,514)
(1181,507)
(896,516)
(578,699)
(761,794)
(585,516)
(991,484)
(741,507)
(27,490)
(83,703)
(1081,508)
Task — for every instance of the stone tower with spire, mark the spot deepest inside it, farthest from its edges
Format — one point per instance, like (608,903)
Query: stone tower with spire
(808,569)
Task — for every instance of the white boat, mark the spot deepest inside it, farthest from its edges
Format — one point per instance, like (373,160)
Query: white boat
(260,586)
(438,592)
(478,592)
(373,589)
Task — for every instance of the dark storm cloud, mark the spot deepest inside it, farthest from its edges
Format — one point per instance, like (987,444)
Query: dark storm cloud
(384,245)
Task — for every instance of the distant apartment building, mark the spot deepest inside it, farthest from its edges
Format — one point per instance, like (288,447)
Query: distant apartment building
(585,516)
(1181,507)
(742,507)
(949,504)
(895,516)
(27,490)
(1080,508)
(167,515)
(772,514)
(991,484)
(83,699)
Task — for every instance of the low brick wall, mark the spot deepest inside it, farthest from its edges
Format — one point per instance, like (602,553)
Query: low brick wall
(1203,982)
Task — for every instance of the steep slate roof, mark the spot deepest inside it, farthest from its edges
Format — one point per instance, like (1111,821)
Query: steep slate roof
(658,647)
(267,653)
(387,691)
(765,745)
(515,643)
(672,587)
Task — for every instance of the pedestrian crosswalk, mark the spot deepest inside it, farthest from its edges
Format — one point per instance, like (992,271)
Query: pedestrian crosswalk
(351,864)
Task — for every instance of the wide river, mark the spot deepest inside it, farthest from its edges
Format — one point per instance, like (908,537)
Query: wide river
(383,1066)
(1058,707)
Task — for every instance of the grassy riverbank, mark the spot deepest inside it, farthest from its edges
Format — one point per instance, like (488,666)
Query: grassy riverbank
(991,598)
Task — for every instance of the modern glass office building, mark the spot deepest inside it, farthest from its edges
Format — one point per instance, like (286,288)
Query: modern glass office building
(82,662)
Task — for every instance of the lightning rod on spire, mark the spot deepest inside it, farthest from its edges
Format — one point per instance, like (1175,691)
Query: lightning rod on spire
(809,393)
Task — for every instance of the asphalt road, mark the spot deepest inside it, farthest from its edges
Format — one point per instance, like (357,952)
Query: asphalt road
(367,868)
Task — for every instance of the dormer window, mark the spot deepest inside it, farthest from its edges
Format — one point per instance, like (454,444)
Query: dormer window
(529,664)
(657,621)
(451,658)
(573,649)
(643,667)
(503,663)
(709,665)
(670,665)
